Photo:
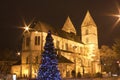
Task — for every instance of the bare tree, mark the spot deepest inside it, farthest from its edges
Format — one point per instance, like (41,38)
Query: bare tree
(108,59)
(116,47)
(7,58)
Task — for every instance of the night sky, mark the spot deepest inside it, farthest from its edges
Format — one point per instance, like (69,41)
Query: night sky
(55,12)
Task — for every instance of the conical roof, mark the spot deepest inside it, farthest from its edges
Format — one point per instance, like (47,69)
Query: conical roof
(88,20)
(68,26)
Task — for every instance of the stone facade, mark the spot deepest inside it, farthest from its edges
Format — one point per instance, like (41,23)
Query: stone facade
(74,54)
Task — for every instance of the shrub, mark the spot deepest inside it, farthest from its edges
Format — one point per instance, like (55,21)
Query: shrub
(98,75)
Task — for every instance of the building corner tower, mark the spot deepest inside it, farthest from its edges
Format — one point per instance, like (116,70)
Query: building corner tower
(90,39)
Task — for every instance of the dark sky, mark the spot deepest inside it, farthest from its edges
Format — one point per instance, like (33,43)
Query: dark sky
(55,12)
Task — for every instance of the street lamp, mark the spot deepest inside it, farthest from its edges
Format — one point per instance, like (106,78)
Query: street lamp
(26,28)
(118,20)
(18,53)
(116,15)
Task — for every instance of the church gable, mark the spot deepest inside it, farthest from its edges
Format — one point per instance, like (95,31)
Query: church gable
(88,20)
(68,26)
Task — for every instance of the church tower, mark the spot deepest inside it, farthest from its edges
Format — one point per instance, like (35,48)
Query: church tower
(90,39)
(89,31)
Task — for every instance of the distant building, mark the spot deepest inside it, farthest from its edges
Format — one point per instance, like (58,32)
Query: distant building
(74,54)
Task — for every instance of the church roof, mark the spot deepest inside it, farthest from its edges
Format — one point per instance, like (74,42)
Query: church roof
(43,27)
(62,59)
(70,36)
(88,20)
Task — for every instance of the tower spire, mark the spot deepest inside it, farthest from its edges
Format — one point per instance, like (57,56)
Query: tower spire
(88,20)
(68,26)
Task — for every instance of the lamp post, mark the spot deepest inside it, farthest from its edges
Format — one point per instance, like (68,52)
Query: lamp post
(19,56)
(18,53)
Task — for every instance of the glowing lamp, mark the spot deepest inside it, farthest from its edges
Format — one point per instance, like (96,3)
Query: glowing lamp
(26,28)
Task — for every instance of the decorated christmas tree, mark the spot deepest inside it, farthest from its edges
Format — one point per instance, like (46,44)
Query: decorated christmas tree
(48,69)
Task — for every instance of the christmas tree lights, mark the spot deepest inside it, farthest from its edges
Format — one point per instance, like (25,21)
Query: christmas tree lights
(48,69)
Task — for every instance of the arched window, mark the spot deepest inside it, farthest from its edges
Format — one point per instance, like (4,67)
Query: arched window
(28,41)
(86,32)
(57,44)
(37,40)
(66,46)
(26,60)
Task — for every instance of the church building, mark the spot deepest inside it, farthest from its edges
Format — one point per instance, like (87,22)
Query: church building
(76,53)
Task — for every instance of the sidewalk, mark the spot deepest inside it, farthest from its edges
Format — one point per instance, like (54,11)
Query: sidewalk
(111,78)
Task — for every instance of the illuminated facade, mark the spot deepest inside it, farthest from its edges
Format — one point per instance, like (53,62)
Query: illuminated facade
(74,54)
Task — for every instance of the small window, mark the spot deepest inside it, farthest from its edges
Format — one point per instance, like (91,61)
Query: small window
(86,32)
(66,46)
(27,41)
(26,60)
(37,40)
(57,44)
(36,59)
